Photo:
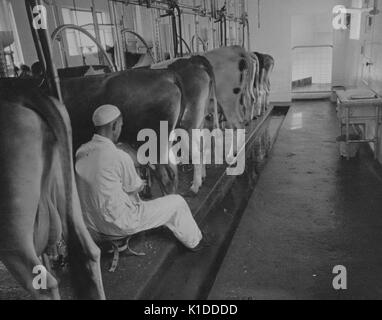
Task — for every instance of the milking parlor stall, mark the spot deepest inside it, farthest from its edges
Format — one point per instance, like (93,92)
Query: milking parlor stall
(198,122)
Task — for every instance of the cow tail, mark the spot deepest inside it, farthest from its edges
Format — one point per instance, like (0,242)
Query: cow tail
(210,71)
(179,84)
(80,250)
(243,89)
(256,88)
(258,78)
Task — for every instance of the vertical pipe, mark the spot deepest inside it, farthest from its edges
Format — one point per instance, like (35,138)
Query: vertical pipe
(225,30)
(119,39)
(196,30)
(160,53)
(248,35)
(174,33)
(180,35)
(153,33)
(61,44)
(243,44)
(117,34)
(377,125)
(221,32)
(96,31)
(347,131)
(45,47)
(29,4)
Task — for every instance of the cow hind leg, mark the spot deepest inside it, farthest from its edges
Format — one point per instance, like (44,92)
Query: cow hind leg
(197,160)
(199,108)
(18,236)
(20,195)
(29,271)
(84,256)
(197,181)
(84,260)
(19,253)
(204,172)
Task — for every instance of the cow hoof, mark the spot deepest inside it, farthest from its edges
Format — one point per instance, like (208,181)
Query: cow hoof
(194,190)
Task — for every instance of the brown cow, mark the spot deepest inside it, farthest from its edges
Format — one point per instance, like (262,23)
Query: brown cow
(145,98)
(199,101)
(39,203)
(266,63)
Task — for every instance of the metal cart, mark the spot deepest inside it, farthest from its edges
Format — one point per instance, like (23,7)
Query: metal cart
(359,112)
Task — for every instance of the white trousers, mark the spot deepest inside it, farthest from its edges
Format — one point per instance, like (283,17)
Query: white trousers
(174,213)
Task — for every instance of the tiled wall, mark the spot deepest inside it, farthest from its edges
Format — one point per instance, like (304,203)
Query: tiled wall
(312,62)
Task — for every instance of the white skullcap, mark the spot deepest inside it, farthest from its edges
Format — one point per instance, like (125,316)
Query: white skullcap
(105,115)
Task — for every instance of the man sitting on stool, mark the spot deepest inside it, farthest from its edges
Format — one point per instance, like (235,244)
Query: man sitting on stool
(109,188)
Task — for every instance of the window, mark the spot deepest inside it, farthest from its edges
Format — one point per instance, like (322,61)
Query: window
(313,62)
(79,43)
(11,55)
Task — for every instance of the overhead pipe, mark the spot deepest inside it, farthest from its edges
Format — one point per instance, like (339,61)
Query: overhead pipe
(163,5)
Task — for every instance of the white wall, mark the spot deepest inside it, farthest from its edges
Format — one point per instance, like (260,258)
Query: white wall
(274,36)
(316,62)
(25,35)
(312,29)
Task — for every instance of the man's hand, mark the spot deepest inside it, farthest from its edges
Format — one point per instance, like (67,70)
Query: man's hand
(144,185)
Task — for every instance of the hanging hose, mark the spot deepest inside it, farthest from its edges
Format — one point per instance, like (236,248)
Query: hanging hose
(199,40)
(187,46)
(149,51)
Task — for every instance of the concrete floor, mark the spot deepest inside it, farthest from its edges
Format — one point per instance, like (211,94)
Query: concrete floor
(310,212)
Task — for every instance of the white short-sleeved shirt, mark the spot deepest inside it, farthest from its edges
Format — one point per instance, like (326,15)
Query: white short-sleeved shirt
(106,179)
